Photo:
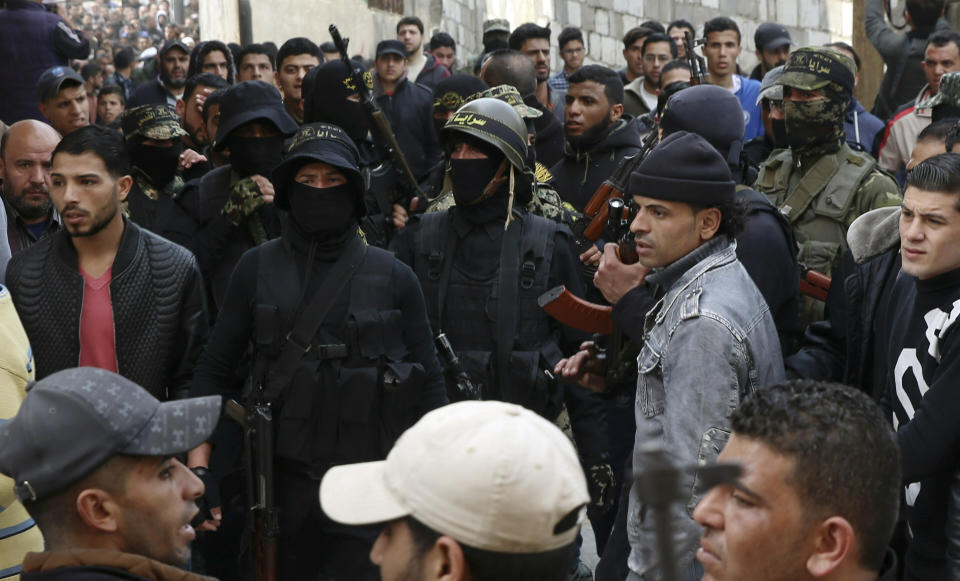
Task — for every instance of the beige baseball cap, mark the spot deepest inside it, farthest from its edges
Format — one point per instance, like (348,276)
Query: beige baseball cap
(492,475)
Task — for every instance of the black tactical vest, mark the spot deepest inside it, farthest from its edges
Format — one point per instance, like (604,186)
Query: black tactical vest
(470,313)
(355,390)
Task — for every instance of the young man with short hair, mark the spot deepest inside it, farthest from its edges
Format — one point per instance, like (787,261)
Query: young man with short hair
(444,49)
(256,64)
(640,96)
(534,41)
(597,138)
(676,30)
(817,496)
(63,99)
(294,60)
(423,68)
(110,105)
(126,300)
(519,527)
(722,49)
(633,53)
(572,52)
(916,325)
(111,498)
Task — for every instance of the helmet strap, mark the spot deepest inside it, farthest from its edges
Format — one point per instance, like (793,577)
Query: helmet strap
(494,184)
(509,201)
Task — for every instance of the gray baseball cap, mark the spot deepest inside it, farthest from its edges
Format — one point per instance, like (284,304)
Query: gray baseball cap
(73,421)
(769,89)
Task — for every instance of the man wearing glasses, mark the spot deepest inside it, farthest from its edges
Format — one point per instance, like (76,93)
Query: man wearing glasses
(572,53)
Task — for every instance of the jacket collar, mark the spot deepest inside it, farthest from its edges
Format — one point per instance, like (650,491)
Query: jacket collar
(717,251)
(125,254)
(135,564)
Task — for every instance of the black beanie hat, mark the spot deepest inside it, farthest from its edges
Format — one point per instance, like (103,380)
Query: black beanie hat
(683,167)
(452,92)
(711,112)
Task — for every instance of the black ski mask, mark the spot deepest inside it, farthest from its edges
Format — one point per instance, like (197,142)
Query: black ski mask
(159,163)
(255,155)
(327,92)
(323,212)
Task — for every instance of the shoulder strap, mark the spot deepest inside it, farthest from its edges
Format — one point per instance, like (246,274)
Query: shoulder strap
(299,340)
(803,193)
(509,293)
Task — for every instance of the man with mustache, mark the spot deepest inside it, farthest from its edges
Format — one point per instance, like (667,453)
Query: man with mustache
(115,502)
(173,60)
(800,508)
(102,292)
(702,306)
(25,152)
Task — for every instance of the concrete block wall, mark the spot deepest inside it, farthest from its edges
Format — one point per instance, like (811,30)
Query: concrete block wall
(604,22)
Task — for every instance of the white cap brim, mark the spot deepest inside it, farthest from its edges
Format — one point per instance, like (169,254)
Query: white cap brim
(357,494)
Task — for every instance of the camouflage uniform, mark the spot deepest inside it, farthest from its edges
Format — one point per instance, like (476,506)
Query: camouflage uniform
(819,183)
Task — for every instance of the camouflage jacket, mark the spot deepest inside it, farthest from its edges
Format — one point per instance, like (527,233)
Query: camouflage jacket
(822,197)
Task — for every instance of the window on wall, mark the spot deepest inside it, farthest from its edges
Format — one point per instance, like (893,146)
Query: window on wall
(395,6)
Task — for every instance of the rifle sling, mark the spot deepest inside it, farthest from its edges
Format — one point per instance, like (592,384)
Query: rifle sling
(300,338)
(803,192)
(509,295)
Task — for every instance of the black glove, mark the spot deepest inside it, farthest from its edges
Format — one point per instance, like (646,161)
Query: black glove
(211,495)
(601,483)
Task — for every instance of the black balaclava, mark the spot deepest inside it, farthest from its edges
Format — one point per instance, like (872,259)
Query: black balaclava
(326,92)
(159,163)
(255,155)
(481,186)
(323,212)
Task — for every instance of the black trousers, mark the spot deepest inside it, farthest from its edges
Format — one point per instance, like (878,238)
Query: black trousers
(312,547)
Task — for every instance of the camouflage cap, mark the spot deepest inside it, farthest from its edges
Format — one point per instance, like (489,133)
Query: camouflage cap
(496,25)
(948,93)
(509,95)
(159,122)
(814,67)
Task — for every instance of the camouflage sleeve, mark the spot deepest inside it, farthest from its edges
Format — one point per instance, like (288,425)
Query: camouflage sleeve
(548,204)
(879,190)
(440,203)
(244,199)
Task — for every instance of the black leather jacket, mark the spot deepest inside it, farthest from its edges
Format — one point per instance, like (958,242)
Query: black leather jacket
(159,316)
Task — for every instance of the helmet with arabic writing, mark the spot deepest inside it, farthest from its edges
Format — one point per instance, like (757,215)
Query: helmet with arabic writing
(491,121)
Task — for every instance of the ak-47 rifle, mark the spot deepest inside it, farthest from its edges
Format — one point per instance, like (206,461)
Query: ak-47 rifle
(597,211)
(697,74)
(583,315)
(814,283)
(388,141)
(257,426)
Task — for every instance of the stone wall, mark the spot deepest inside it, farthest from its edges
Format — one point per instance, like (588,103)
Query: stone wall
(603,22)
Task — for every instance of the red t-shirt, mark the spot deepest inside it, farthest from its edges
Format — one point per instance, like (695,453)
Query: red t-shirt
(97,342)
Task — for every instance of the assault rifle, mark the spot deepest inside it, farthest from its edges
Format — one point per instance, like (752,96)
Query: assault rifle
(697,74)
(583,315)
(814,283)
(388,142)
(597,211)
(453,369)
(257,426)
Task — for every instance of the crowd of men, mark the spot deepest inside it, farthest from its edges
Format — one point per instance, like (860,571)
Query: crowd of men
(300,315)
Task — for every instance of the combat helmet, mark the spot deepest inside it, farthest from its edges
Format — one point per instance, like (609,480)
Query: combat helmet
(494,122)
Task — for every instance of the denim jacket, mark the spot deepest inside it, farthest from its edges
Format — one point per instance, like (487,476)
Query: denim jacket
(708,341)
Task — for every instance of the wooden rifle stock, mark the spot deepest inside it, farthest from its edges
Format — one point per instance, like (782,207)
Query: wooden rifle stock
(815,284)
(575,312)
